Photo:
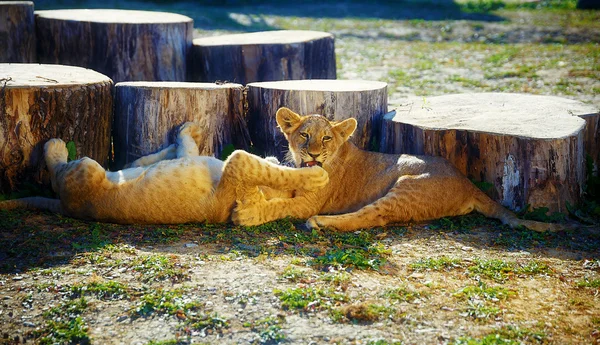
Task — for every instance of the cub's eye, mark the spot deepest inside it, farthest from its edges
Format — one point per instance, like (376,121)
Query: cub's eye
(326,138)
(304,135)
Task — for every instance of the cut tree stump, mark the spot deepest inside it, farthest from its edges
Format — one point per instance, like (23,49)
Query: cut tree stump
(17,32)
(148,113)
(337,100)
(529,150)
(264,56)
(125,45)
(39,102)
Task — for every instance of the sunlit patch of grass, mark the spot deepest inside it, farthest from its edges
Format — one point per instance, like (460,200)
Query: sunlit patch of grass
(309,298)
(500,270)
(589,283)
(403,294)
(435,264)
(480,310)
(166,302)
(158,267)
(101,290)
(482,291)
(337,278)
(293,274)
(509,335)
(269,329)
(64,324)
(361,313)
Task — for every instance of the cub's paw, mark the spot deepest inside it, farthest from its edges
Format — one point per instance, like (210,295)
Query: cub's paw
(313,179)
(56,150)
(191,129)
(246,215)
(313,223)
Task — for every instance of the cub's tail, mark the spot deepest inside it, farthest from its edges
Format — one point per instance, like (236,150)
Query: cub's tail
(492,209)
(32,203)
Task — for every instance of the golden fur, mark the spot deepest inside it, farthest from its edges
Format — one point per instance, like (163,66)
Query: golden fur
(175,185)
(369,189)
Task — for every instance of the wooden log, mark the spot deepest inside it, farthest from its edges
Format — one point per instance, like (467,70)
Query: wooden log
(264,56)
(147,114)
(591,140)
(529,149)
(17,32)
(125,45)
(336,99)
(39,102)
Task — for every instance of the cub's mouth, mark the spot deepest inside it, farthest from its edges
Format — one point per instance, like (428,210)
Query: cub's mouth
(310,164)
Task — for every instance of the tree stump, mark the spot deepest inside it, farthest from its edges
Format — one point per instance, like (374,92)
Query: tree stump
(147,114)
(17,32)
(124,45)
(264,56)
(39,102)
(335,99)
(527,149)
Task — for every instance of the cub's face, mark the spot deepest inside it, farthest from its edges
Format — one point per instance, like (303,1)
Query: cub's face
(313,140)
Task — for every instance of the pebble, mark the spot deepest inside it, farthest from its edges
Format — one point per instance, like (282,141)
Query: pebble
(190,245)
(28,324)
(17,278)
(122,318)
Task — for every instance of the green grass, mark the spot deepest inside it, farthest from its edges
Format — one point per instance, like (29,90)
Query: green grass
(589,283)
(101,290)
(508,335)
(158,267)
(485,292)
(480,310)
(293,274)
(435,264)
(361,313)
(64,324)
(403,294)
(169,302)
(500,270)
(309,298)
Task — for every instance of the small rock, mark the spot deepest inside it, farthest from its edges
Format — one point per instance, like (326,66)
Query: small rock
(417,275)
(28,324)
(17,278)
(190,245)
(466,249)
(6,297)
(122,318)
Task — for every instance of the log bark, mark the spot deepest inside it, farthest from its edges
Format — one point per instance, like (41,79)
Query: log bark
(335,99)
(125,45)
(147,114)
(39,102)
(529,149)
(264,56)
(17,32)
(591,139)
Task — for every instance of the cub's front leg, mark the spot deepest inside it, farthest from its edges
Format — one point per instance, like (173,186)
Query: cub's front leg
(250,170)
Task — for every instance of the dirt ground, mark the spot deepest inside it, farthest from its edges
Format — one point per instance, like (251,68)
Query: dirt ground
(464,280)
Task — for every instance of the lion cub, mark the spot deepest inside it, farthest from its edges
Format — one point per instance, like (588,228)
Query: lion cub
(369,189)
(175,185)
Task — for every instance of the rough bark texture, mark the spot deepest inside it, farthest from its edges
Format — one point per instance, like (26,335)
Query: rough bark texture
(528,149)
(39,102)
(336,99)
(17,32)
(591,139)
(148,113)
(124,45)
(264,56)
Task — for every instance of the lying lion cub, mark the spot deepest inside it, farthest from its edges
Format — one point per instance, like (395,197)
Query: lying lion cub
(175,185)
(368,189)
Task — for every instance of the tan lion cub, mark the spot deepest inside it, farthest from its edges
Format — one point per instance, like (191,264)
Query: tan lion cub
(175,185)
(368,189)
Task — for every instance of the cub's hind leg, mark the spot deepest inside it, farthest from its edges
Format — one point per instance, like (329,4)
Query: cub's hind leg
(186,145)
(413,198)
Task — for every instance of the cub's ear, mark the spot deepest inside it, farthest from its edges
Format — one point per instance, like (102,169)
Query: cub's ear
(287,120)
(345,128)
